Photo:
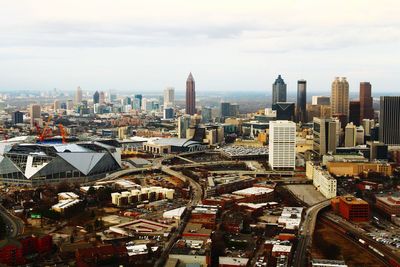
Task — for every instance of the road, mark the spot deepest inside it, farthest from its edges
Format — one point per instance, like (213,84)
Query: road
(14,224)
(306,233)
(356,232)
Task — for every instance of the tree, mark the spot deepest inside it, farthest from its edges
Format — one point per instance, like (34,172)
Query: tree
(63,187)
(3,229)
(91,191)
(103,194)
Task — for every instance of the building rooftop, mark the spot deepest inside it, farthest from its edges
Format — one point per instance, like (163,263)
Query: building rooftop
(233,261)
(253,191)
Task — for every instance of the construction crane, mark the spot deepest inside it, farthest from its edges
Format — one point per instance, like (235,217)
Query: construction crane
(47,132)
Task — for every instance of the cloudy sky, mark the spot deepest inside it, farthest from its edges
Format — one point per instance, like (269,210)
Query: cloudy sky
(228,45)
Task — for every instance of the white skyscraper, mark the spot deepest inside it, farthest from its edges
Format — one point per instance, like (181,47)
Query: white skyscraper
(169,97)
(282,144)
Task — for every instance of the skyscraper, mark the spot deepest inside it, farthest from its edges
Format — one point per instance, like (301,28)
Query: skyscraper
(225,109)
(140,98)
(325,135)
(366,109)
(78,95)
(169,97)
(278,90)
(206,114)
(102,97)
(35,111)
(183,125)
(282,145)
(340,97)
(354,112)
(284,110)
(321,100)
(17,117)
(389,120)
(350,135)
(190,95)
(96,98)
(301,112)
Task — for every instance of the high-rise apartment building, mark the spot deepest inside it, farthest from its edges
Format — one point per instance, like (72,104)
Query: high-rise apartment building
(70,104)
(340,97)
(366,101)
(282,145)
(169,97)
(96,97)
(78,95)
(190,95)
(301,112)
(325,135)
(389,120)
(278,90)
(35,111)
(56,105)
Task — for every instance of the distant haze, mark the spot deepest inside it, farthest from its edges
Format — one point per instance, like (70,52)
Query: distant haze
(228,45)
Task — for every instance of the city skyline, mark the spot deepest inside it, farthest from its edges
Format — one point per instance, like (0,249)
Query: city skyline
(72,47)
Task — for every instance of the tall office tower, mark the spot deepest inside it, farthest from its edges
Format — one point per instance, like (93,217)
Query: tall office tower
(190,95)
(368,125)
(183,125)
(70,104)
(282,144)
(102,97)
(340,98)
(360,136)
(350,134)
(366,102)
(225,109)
(301,112)
(140,98)
(206,114)
(354,112)
(313,111)
(96,97)
(278,90)
(321,100)
(325,135)
(234,110)
(35,111)
(17,117)
(56,105)
(389,120)
(325,111)
(284,110)
(78,95)
(168,113)
(169,97)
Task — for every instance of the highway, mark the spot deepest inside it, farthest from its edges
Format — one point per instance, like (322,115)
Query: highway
(15,226)
(306,233)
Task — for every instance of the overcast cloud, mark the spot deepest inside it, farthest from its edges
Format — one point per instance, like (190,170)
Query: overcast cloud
(228,45)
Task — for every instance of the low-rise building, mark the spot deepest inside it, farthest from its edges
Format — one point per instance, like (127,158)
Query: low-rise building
(291,218)
(351,208)
(389,204)
(233,262)
(356,168)
(324,182)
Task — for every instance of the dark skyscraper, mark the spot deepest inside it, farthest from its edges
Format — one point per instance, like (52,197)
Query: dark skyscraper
(366,109)
(389,120)
(225,109)
(190,96)
(301,111)
(284,111)
(17,117)
(279,90)
(96,97)
(354,112)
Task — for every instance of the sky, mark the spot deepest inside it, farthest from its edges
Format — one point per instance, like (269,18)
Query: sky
(228,45)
